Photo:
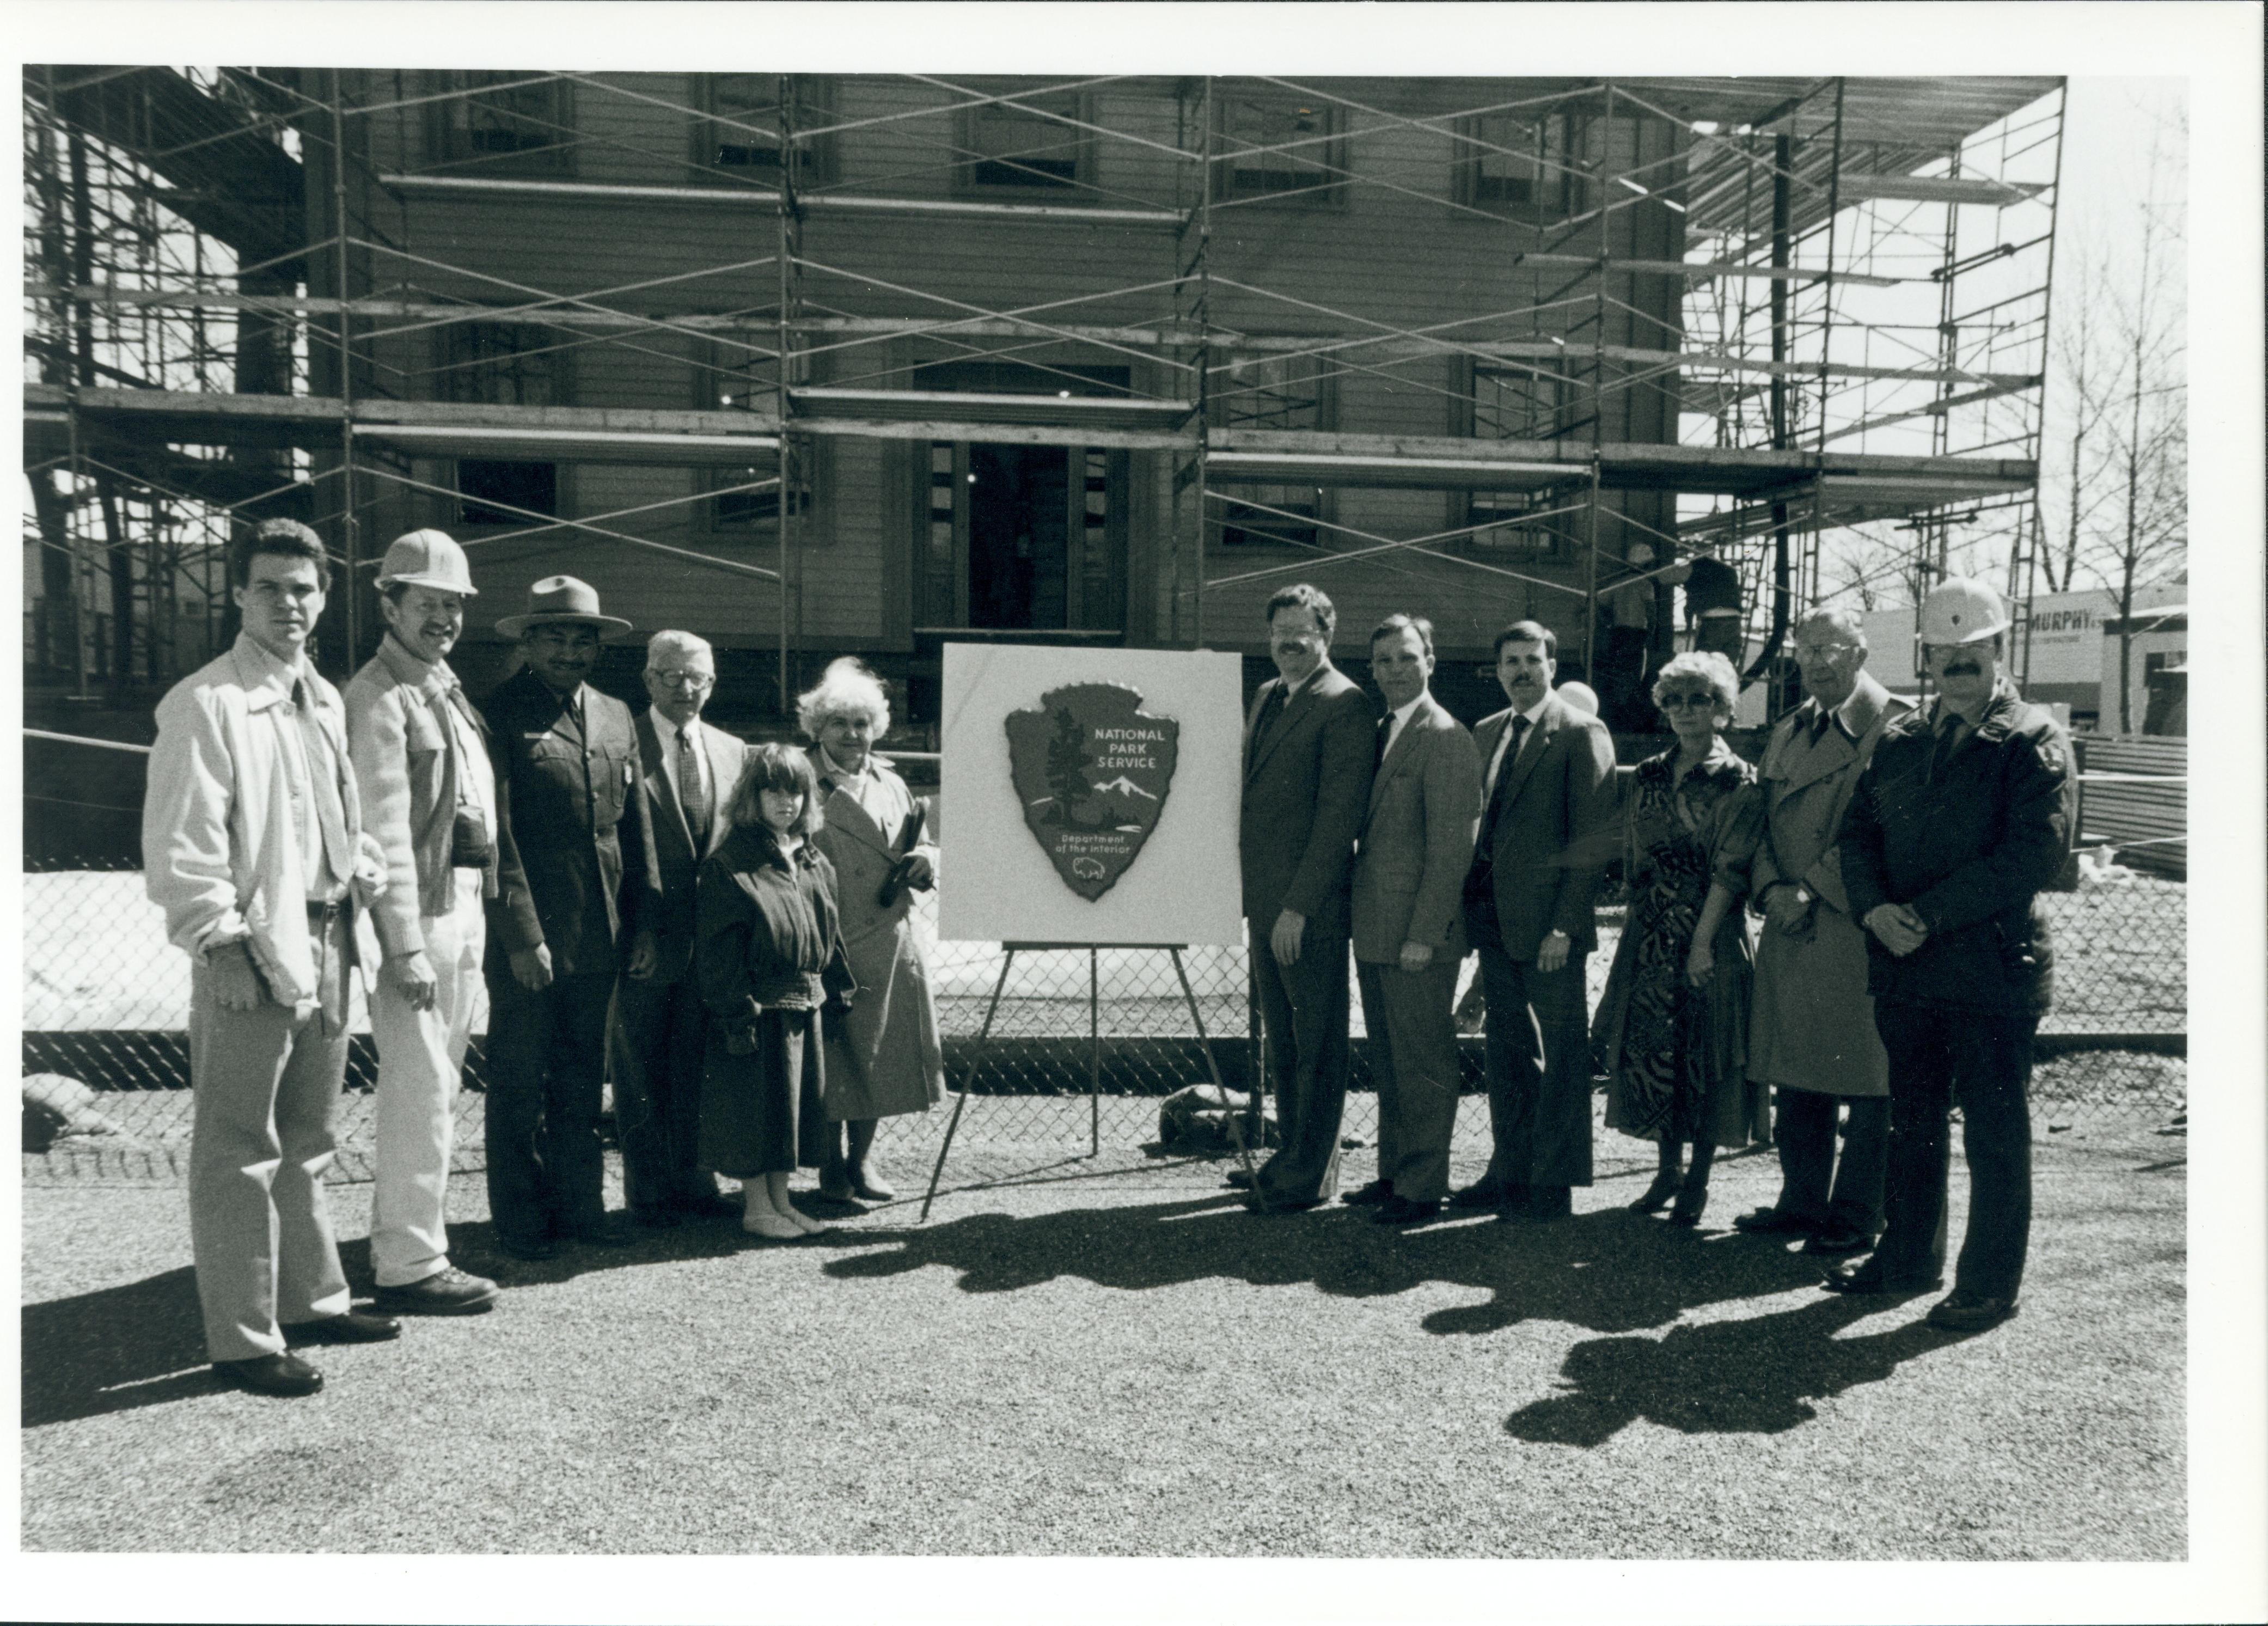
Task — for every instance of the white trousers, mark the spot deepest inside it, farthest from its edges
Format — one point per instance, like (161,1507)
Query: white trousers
(420,1060)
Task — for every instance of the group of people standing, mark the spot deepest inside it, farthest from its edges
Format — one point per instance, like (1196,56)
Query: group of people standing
(729,923)
(726,924)
(1902,966)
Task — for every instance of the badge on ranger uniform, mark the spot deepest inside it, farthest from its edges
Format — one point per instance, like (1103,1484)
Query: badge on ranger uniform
(1092,770)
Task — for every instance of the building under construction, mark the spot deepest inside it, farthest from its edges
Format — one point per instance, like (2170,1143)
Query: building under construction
(817,365)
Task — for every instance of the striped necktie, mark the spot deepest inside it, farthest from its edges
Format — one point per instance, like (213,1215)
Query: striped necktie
(692,794)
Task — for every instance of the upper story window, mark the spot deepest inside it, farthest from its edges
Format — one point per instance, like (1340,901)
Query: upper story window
(1274,144)
(1526,165)
(741,133)
(1511,402)
(1026,145)
(503,364)
(1274,392)
(501,124)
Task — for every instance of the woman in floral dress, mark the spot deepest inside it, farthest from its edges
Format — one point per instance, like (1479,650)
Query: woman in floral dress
(1672,1030)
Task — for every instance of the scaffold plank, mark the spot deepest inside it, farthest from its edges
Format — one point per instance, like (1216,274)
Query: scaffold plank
(1108,411)
(487,189)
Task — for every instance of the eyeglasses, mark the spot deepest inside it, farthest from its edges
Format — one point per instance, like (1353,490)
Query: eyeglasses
(684,680)
(1703,702)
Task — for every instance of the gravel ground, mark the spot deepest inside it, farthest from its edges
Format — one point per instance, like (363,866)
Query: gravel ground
(1105,1356)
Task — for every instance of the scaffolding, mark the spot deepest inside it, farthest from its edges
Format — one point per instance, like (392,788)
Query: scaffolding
(1736,318)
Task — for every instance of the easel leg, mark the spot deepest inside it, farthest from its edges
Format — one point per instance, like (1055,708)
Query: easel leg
(961,1097)
(1094,1055)
(1204,1043)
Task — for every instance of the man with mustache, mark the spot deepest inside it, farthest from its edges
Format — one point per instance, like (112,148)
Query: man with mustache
(253,841)
(1957,824)
(421,755)
(566,758)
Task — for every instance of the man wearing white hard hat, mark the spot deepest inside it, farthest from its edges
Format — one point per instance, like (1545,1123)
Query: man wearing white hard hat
(568,830)
(1959,822)
(421,760)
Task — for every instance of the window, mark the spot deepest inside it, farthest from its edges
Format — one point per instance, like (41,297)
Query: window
(512,123)
(1512,535)
(1274,392)
(1018,147)
(1520,166)
(1510,401)
(740,135)
(743,380)
(1275,146)
(502,365)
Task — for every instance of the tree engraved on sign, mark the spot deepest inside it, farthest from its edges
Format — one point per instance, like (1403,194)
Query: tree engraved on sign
(1092,770)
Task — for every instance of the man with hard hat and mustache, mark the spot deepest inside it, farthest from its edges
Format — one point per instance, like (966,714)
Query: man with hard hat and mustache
(1958,823)
(421,759)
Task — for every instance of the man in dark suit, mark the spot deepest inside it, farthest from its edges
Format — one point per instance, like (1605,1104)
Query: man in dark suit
(685,772)
(1306,781)
(1548,802)
(1410,867)
(565,760)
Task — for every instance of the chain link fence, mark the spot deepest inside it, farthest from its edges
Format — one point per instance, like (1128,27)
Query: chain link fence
(1081,1047)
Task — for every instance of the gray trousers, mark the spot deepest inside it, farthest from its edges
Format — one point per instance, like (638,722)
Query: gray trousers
(1303,1015)
(1539,1072)
(267,1092)
(1413,1060)
(1813,1185)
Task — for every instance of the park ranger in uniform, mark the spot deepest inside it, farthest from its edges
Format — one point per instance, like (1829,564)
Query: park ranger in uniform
(1959,822)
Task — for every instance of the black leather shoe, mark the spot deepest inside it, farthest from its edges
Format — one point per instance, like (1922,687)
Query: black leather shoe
(1834,1241)
(1965,1312)
(716,1205)
(285,1376)
(527,1247)
(1657,1197)
(1239,1180)
(608,1232)
(352,1327)
(1775,1219)
(1405,1211)
(1480,1194)
(658,1219)
(1550,1202)
(1377,1192)
(448,1291)
(1870,1277)
(1279,1205)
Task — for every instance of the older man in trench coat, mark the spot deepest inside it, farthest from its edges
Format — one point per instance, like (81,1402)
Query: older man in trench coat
(1811,1030)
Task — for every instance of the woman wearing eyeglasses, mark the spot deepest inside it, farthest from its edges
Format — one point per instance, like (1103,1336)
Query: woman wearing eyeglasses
(1672,1027)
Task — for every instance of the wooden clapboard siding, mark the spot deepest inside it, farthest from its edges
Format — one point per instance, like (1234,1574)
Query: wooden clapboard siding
(2137,814)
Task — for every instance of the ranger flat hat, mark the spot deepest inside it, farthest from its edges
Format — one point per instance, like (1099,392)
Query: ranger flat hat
(557,598)
(427,558)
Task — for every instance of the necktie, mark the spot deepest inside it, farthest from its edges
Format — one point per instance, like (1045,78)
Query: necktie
(1821,723)
(692,795)
(323,783)
(1485,845)
(1949,736)
(1385,738)
(1271,708)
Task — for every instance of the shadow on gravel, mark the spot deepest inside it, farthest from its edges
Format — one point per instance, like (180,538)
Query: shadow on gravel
(141,1344)
(1753,1376)
(1609,1271)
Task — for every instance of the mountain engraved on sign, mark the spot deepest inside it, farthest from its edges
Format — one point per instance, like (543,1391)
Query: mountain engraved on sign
(1092,770)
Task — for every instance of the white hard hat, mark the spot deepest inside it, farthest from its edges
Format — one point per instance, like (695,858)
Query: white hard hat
(1961,610)
(427,558)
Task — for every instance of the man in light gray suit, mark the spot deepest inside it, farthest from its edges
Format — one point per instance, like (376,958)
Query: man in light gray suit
(1306,781)
(1546,819)
(1409,866)
(685,772)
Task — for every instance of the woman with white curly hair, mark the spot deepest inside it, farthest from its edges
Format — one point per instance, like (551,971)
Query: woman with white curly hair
(1672,1027)
(885,1057)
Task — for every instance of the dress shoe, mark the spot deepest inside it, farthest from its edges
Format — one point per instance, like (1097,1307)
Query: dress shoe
(869,1187)
(1657,1197)
(527,1247)
(1239,1180)
(656,1217)
(710,1205)
(1687,1209)
(1280,1206)
(1768,1220)
(1965,1312)
(1405,1211)
(1550,1202)
(834,1190)
(350,1327)
(1834,1241)
(1480,1194)
(447,1291)
(1870,1277)
(608,1233)
(285,1376)
(1377,1192)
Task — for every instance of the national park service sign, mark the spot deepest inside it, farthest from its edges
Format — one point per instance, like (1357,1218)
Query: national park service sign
(1092,770)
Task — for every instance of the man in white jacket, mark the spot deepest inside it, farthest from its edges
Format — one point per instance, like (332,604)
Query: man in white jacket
(421,757)
(252,845)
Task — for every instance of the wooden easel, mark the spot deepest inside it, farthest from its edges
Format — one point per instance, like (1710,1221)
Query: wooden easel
(1094,1046)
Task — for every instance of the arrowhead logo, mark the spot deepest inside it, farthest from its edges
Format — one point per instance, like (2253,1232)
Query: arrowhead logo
(1092,770)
